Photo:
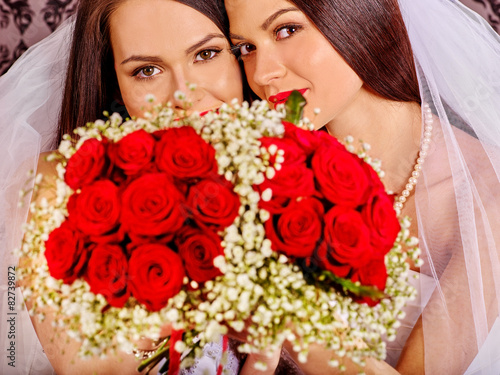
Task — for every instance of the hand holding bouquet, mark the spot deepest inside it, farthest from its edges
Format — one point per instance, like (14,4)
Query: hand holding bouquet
(233,219)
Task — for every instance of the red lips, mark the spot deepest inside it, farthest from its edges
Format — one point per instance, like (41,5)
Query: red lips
(283,96)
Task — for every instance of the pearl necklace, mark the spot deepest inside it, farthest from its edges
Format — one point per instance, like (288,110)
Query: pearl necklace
(412,181)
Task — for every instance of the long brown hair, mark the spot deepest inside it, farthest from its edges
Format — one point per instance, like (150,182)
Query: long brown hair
(91,84)
(371,37)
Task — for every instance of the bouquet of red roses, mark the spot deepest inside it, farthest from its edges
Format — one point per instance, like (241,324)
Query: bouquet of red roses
(145,212)
(232,219)
(329,212)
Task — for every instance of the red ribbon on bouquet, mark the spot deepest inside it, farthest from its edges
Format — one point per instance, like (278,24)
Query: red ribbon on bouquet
(175,356)
(225,345)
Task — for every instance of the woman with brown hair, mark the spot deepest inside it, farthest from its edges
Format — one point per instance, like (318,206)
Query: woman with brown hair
(418,81)
(121,51)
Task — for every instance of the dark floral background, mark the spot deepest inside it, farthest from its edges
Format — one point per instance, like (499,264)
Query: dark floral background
(489,9)
(25,22)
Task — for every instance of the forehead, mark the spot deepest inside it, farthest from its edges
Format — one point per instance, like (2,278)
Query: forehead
(243,13)
(258,5)
(141,26)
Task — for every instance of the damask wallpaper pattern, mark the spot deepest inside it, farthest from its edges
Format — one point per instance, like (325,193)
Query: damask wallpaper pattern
(25,22)
(489,9)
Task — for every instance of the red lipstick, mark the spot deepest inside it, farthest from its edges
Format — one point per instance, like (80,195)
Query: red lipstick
(283,96)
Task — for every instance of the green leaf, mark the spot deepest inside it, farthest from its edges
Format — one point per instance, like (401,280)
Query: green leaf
(294,107)
(354,288)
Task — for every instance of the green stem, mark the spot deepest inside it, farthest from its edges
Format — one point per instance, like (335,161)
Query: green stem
(354,288)
(161,353)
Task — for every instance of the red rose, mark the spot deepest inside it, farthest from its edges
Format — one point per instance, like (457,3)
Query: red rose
(372,274)
(347,237)
(182,153)
(96,210)
(324,258)
(382,221)
(198,249)
(376,182)
(107,273)
(133,152)
(324,138)
(86,165)
(309,141)
(136,240)
(156,274)
(152,206)
(291,182)
(297,230)
(65,253)
(293,154)
(340,176)
(213,203)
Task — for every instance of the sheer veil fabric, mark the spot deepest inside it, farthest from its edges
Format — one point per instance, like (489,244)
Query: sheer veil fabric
(457,56)
(30,97)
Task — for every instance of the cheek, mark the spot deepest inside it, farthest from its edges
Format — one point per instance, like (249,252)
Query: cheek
(335,85)
(134,95)
(249,67)
(228,85)
(133,99)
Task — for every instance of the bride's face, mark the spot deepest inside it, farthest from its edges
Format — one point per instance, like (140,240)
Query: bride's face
(282,50)
(160,46)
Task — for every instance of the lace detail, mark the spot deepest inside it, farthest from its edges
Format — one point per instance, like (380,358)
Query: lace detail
(209,362)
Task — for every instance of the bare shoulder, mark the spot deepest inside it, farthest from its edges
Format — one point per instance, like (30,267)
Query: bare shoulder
(479,157)
(447,165)
(47,167)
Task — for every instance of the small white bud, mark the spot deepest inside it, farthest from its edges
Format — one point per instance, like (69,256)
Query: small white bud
(150,98)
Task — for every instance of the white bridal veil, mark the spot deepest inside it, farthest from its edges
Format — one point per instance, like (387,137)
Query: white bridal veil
(458,195)
(30,97)
(457,56)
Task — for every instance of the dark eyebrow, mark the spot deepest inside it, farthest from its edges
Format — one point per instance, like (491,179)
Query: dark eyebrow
(236,36)
(275,15)
(142,58)
(206,39)
(268,21)
(156,59)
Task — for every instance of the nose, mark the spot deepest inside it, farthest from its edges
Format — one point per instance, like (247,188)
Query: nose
(179,93)
(267,67)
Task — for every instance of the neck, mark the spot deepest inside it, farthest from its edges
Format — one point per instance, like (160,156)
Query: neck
(392,129)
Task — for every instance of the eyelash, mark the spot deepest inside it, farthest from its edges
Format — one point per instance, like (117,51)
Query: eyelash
(215,52)
(236,49)
(284,27)
(145,78)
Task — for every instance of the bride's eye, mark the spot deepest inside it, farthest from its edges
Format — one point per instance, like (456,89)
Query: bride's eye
(146,72)
(242,49)
(207,54)
(286,31)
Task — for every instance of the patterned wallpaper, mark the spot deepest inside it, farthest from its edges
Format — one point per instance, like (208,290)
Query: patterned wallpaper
(489,9)
(25,22)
